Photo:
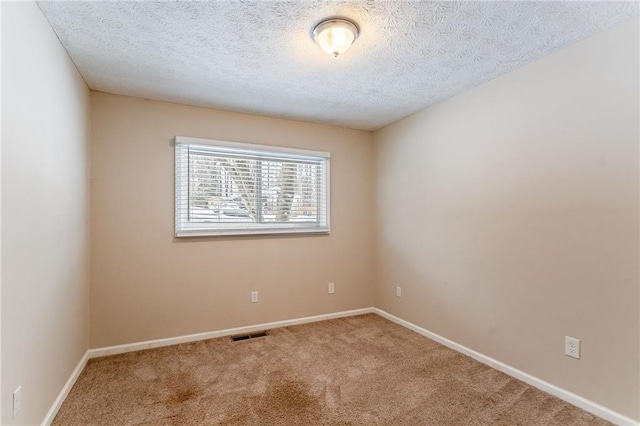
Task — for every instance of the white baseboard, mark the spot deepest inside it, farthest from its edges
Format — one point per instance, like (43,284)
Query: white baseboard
(132,347)
(563,394)
(51,414)
(138,346)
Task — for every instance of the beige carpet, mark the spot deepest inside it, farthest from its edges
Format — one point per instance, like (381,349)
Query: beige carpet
(360,370)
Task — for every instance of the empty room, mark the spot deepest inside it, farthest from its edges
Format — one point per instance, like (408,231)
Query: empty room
(320,212)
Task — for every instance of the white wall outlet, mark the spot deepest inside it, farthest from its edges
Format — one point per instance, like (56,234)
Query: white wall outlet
(17,401)
(332,288)
(572,347)
(254,297)
(398,291)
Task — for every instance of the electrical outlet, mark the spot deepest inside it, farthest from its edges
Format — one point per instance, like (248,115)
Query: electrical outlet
(572,347)
(332,288)
(17,401)
(254,297)
(398,291)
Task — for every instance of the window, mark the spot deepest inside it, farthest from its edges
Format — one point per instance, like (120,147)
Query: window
(228,188)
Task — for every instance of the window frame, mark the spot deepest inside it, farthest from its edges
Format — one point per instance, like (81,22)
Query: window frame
(244,228)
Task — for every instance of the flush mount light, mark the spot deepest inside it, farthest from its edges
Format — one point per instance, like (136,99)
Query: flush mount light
(335,35)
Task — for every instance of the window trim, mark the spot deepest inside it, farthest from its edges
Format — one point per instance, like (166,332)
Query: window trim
(251,228)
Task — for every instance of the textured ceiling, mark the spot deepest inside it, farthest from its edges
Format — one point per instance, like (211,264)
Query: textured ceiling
(258,56)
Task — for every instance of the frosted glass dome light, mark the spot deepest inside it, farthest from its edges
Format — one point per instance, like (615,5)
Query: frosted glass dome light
(335,36)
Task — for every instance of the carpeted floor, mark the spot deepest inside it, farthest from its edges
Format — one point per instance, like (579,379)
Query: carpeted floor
(360,370)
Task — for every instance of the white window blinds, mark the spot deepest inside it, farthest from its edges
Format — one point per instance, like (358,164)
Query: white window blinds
(227,188)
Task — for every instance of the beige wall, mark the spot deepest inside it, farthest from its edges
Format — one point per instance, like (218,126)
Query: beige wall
(509,216)
(145,284)
(45,182)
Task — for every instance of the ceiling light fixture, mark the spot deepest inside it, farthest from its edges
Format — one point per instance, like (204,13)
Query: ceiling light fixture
(335,35)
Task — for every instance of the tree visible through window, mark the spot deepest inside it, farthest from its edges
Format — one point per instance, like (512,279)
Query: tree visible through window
(227,188)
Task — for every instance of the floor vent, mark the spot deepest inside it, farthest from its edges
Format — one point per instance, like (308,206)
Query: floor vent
(250,336)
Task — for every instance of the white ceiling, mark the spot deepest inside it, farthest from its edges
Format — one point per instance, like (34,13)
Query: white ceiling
(258,56)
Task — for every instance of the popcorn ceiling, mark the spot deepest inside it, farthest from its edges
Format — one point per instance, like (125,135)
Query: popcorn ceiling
(258,56)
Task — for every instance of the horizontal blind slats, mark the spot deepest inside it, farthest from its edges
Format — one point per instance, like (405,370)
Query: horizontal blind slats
(219,190)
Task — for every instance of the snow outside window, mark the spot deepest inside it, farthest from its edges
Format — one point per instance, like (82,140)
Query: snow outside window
(228,188)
